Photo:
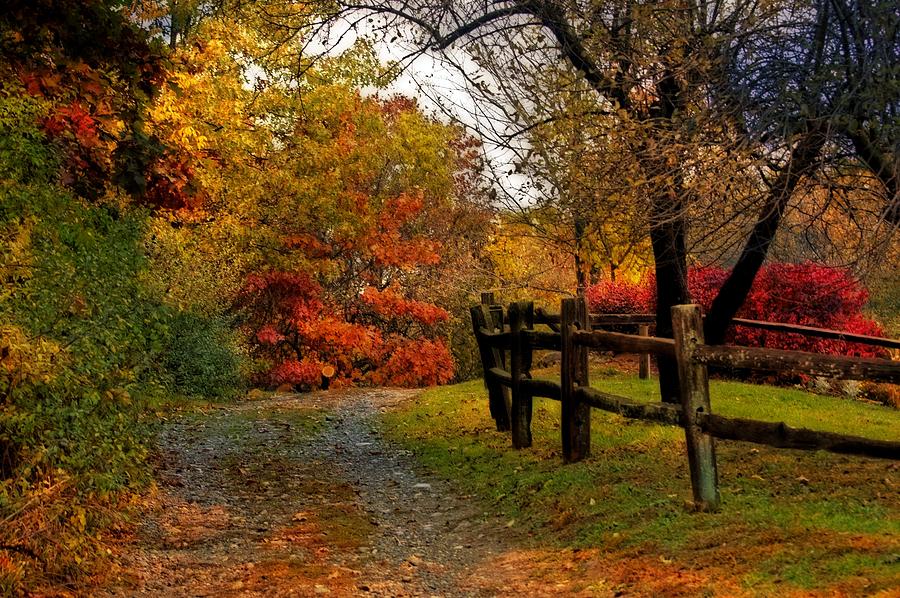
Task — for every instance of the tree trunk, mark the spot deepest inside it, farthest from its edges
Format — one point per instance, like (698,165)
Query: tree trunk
(581,279)
(581,268)
(734,292)
(880,163)
(668,222)
(667,238)
(174,23)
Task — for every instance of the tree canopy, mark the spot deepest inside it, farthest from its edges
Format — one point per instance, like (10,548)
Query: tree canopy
(729,112)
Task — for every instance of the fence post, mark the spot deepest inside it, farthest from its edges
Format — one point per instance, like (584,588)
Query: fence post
(644,367)
(687,326)
(490,358)
(576,416)
(521,316)
(493,314)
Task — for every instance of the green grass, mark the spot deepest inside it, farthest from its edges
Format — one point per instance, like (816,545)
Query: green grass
(771,403)
(807,520)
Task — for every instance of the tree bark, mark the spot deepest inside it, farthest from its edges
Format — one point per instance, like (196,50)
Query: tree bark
(581,279)
(734,292)
(582,276)
(881,164)
(668,241)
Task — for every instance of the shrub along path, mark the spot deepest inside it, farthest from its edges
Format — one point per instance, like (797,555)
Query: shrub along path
(299,495)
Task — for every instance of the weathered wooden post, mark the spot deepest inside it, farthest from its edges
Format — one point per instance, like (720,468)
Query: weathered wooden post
(644,367)
(494,315)
(576,416)
(495,319)
(490,358)
(521,316)
(687,325)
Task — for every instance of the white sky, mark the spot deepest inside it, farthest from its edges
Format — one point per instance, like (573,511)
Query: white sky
(441,91)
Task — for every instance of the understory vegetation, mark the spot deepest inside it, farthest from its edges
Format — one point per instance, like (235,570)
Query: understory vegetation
(791,521)
(89,347)
(808,294)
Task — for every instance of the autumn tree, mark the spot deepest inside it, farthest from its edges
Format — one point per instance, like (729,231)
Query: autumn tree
(308,193)
(760,88)
(528,265)
(574,198)
(367,191)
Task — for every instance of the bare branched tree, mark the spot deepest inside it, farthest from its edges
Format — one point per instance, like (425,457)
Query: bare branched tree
(765,96)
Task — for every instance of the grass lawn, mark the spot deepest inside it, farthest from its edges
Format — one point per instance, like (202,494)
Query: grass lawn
(791,521)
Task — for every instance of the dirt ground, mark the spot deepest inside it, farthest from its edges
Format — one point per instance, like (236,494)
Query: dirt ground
(299,495)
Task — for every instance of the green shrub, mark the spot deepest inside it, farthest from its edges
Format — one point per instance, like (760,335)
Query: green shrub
(203,356)
(81,338)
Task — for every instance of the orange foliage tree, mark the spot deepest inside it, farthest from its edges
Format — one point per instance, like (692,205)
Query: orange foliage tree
(353,242)
(98,74)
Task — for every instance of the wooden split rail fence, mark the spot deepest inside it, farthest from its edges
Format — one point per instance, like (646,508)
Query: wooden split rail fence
(507,343)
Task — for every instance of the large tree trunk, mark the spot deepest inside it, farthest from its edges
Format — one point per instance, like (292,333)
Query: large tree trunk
(668,228)
(734,292)
(667,237)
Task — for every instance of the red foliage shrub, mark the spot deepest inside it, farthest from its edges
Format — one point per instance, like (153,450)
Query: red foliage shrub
(290,293)
(268,335)
(305,373)
(390,303)
(807,294)
(414,363)
(619,297)
(704,283)
(291,326)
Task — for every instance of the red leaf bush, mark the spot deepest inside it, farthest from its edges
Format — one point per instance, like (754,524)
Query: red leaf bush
(416,363)
(388,340)
(307,372)
(619,297)
(807,294)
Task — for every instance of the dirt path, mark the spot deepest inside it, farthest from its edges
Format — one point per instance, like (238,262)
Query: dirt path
(300,496)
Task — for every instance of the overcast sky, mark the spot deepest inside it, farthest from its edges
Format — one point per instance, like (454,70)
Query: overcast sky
(441,89)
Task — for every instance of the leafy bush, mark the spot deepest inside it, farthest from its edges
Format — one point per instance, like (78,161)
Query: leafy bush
(79,359)
(416,362)
(618,297)
(388,339)
(464,347)
(807,294)
(203,357)
(81,342)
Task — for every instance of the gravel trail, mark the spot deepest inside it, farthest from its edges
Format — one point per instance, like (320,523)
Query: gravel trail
(299,495)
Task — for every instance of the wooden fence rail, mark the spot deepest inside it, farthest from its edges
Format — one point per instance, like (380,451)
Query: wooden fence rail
(507,342)
(600,320)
